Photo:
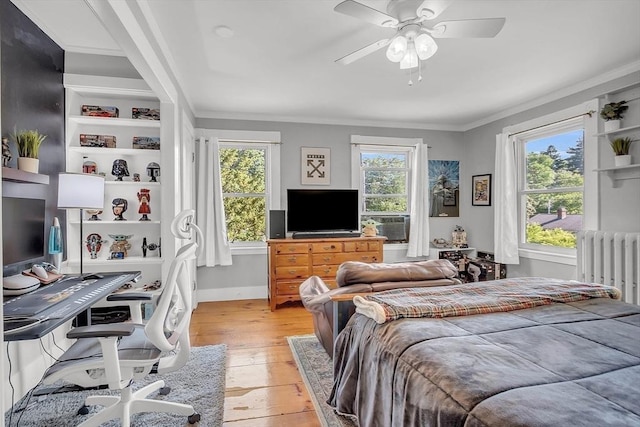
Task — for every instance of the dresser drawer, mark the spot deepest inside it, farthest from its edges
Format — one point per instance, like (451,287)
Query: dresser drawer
(292,272)
(292,260)
(288,287)
(326,247)
(339,258)
(325,270)
(292,248)
(362,246)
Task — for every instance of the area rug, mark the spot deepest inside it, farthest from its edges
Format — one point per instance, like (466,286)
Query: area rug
(201,383)
(316,369)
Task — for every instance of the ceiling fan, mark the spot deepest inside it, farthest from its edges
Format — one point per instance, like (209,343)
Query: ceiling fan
(413,41)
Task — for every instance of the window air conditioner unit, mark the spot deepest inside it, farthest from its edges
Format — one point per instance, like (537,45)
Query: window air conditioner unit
(394,228)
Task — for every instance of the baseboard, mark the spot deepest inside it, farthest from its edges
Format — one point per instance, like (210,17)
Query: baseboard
(231,294)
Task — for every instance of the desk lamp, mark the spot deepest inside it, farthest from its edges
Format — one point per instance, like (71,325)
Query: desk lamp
(80,191)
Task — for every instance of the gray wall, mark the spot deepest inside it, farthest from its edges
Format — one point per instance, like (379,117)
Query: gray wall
(475,149)
(618,207)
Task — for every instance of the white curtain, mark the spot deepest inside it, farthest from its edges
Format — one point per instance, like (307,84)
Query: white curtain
(209,205)
(419,219)
(505,217)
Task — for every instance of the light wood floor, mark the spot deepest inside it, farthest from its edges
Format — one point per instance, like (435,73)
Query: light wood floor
(264,387)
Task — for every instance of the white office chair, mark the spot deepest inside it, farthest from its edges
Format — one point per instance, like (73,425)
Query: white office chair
(116,354)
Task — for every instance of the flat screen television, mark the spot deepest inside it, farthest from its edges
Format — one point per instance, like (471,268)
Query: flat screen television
(23,231)
(322,210)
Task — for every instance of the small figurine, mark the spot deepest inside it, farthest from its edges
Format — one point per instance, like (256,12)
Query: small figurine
(6,152)
(120,245)
(136,177)
(144,198)
(153,171)
(459,237)
(94,214)
(151,247)
(119,207)
(94,244)
(89,166)
(369,228)
(120,169)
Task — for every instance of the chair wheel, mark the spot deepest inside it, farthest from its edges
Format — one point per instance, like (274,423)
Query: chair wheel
(84,410)
(164,390)
(194,418)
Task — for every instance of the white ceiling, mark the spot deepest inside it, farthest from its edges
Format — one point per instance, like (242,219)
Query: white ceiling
(280,63)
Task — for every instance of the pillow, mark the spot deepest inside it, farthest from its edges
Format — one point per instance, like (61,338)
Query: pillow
(352,272)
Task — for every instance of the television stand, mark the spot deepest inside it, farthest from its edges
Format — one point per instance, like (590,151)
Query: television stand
(325,234)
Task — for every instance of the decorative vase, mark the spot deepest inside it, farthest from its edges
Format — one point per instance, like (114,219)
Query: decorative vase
(28,164)
(624,160)
(611,125)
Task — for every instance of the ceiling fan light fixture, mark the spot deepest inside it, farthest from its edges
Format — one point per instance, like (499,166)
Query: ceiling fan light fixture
(410,59)
(397,49)
(426,47)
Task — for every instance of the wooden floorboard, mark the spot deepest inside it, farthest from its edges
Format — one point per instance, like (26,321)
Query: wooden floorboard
(263,385)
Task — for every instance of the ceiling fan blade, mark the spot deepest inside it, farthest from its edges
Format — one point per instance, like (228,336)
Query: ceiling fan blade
(431,9)
(361,11)
(470,28)
(361,53)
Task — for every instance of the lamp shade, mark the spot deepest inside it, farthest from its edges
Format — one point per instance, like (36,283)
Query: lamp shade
(80,191)
(426,47)
(397,49)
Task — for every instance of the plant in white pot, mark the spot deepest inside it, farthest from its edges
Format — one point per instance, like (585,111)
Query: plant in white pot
(28,142)
(612,114)
(621,147)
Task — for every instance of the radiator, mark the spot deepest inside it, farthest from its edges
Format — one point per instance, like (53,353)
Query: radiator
(611,258)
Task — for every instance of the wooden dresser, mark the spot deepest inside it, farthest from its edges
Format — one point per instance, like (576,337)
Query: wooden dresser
(292,261)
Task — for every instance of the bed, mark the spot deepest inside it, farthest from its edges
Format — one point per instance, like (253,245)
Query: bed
(568,355)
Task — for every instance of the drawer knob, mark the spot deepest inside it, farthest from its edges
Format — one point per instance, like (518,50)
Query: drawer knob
(293,259)
(327,259)
(291,287)
(292,272)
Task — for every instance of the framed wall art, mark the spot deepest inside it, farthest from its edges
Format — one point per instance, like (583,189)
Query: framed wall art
(316,166)
(481,190)
(444,176)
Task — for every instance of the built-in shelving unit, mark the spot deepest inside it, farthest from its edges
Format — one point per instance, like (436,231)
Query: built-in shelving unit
(124,94)
(17,175)
(630,128)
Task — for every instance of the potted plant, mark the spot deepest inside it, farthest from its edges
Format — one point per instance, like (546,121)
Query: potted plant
(621,148)
(28,142)
(612,114)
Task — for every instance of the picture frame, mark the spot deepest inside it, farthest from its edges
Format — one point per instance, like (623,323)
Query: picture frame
(481,190)
(315,165)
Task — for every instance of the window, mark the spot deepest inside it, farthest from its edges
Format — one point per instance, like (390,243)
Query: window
(551,185)
(246,172)
(384,183)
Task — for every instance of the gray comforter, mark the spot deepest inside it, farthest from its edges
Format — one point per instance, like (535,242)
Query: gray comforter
(574,364)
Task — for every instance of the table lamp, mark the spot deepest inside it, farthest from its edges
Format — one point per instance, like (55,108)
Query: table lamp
(80,191)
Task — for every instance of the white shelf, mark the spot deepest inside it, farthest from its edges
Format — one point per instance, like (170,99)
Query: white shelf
(618,131)
(113,151)
(133,183)
(114,121)
(88,222)
(619,173)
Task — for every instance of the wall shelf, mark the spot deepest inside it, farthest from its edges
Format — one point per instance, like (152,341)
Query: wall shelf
(113,151)
(16,175)
(114,121)
(619,173)
(621,130)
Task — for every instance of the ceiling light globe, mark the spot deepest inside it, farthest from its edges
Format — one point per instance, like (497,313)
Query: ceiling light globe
(426,47)
(410,60)
(397,49)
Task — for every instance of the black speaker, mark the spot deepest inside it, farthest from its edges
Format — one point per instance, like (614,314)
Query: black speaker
(276,225)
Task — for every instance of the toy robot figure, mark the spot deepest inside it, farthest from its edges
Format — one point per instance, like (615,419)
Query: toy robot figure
(94,244)
(6,152)
(120,245)
(153,171)
(136,177)
(119,206)
(144,198)
(120,169)
(151,247)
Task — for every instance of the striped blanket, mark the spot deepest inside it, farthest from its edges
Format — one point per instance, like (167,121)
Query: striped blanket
(477,298)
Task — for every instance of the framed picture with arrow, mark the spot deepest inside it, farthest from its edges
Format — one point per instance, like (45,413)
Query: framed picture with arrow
(316,166)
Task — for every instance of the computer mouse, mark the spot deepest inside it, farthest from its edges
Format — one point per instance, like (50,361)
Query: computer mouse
(39,271)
